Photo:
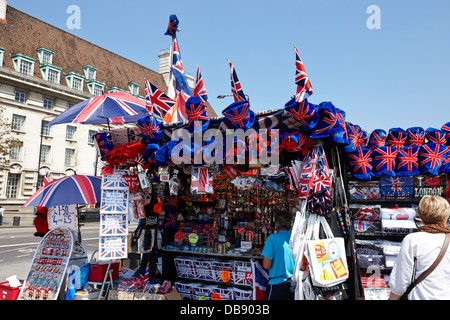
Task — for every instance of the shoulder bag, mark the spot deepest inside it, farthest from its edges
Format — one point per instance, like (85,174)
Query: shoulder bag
(429,270)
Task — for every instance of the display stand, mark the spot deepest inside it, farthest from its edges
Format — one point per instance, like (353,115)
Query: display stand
(49,266)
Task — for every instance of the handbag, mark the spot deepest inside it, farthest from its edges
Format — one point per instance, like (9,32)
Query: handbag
(326,257)
(429,270)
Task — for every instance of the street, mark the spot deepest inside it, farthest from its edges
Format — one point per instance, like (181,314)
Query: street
(18,245)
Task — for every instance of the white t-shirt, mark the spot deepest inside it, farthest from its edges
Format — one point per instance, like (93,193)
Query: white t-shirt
(2,210)
(425,247)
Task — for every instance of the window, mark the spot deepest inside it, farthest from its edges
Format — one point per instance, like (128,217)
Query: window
(53,76)
(12,185)
(45,55)
(20,96)
(2,50)
(45,154)
(48,104)
(50,73)
(69,157)
(74,80)
(98,90)
(95,87)
(16,151)
(70,133)
(134,88)
(90,72)
(17,122)
(23,64)
(90,138)
(45,130)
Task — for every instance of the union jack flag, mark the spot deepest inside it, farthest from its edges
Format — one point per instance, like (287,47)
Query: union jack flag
(432,155)
(304,88)
(384,158)
(114,201)
(238,115)
(408,159)
(236,88)
(113,247)
(199,87)
(113,225)
(157,102)
(178,70)
(46,179)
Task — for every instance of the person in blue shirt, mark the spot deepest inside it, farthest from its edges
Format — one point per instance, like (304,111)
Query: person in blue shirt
(278,260)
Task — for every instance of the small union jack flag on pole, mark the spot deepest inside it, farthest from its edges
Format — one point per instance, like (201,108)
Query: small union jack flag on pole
(199,87)
(304,88)
(236,88)
(157,102)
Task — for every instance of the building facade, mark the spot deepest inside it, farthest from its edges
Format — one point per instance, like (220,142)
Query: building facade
(43,71)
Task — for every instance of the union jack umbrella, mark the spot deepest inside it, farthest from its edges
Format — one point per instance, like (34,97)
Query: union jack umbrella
(416,136)
(431,157)
(396,138)
(408,161)
(377,139)
(236,88)
(150,128)
(156,101)
(384,160)
(304,112)
(304,88)
(361,163)
(76,189)
(115,108)
(199,86)
(434,135)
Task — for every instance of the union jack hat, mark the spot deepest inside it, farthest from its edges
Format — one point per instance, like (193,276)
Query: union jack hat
(434,135)
(150,152)
(416,136)
(396,138)
(328,121)
(357,138)
(239,115)
(196,113)
(384,159)
(173,25)
(446,129)
(431,157)
(304,112)
(150,128)
(360,162)
(408,161)
(377,139)
(102,143)
(340,136)
(446,165)
(293,140)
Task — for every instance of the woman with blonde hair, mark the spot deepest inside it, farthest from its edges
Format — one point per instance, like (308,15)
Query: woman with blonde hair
(420,250)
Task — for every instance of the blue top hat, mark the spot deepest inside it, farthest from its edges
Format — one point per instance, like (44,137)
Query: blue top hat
(341,136)
(150,152)
(431,157)
(416,136)
(446,129)
(328,121)
(384,160)
(396,138)
(198,121)
(434,135)
(408,161)
(150,128)
(304,112)
(239,115)
(357,138)
(360,161)
(377,139)
(293,140)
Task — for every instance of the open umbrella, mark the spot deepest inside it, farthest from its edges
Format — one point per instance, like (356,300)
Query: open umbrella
(75,189)
(115,108)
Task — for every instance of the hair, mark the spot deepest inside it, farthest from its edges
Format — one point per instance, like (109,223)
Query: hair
(283,220)
(433,209)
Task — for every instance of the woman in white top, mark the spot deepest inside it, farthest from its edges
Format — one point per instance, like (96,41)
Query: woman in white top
(418,252)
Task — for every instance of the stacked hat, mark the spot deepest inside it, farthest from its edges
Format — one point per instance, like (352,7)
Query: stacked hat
(384,159)
(341,136)
(376,139)
(446,129)
(304,112)
(328,121)
(357,138)
(431,157)
(408,161)
(150,152)
(360,161)
(434,135)
(293,140)
(416,136)
(396,138)
(150,128)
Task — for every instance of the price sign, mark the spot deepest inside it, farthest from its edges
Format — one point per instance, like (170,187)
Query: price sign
(64,216)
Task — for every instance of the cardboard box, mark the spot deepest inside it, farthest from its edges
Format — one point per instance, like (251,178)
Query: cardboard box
(124,295)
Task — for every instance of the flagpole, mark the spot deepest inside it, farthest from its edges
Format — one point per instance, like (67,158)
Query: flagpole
(171,89)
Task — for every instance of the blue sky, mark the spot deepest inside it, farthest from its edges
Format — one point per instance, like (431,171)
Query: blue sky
(396,76)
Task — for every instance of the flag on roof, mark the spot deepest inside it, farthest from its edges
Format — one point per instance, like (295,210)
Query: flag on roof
(236,88)
(157,102)
(199,87)
(304,88)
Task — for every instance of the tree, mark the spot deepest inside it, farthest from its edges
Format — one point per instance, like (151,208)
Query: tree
(7,139)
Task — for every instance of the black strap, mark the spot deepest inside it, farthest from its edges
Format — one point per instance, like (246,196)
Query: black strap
(430,269)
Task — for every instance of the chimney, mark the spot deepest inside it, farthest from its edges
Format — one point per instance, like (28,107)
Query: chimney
(164,64)
(3,10)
